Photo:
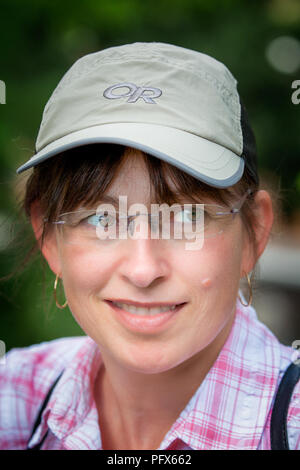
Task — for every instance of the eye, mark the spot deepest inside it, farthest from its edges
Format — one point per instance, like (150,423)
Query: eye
(188,215)
(103,220)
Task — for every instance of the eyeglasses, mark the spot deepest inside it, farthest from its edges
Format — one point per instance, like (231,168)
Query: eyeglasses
(87,227)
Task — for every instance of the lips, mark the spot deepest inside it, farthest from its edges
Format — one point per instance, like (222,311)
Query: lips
(144,304)
(141,321)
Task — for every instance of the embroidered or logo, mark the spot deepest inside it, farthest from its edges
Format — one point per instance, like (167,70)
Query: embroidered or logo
(134,93)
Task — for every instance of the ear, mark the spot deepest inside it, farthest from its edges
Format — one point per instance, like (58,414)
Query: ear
(49,247)
(262,228)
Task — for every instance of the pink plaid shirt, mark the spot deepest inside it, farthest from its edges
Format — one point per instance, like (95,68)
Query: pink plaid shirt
(230,410)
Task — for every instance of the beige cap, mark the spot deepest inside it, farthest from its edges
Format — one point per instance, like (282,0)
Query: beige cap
(176,104)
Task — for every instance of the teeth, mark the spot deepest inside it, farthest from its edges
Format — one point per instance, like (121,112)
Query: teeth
(144,311)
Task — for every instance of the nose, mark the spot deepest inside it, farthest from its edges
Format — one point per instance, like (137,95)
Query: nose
(145,262)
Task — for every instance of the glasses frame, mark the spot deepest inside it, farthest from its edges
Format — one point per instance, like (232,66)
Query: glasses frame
(235,209)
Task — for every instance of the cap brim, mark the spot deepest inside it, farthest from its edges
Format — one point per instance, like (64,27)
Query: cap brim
(205,160)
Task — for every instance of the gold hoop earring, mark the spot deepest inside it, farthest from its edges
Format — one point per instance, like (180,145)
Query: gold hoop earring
(54,294)
(250,292)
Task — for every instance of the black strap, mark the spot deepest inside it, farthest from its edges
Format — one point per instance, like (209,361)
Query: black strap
(39,417)
(279,436)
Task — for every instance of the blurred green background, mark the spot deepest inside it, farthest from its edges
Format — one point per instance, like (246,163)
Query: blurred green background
(40,40)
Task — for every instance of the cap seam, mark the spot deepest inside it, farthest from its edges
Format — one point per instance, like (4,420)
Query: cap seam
(154,57)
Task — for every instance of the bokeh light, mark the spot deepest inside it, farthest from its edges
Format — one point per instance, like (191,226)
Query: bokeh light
(283,54)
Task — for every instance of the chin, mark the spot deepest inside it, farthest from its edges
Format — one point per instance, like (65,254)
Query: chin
(155,364)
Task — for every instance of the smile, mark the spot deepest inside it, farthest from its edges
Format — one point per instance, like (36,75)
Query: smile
(145,318)
(143,310)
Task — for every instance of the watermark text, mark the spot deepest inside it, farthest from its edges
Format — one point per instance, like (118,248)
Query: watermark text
(296,94)
(168,222)
(2,92)
(2,352)
(296,354)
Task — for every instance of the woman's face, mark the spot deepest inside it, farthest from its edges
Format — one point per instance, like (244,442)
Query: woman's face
(150,271)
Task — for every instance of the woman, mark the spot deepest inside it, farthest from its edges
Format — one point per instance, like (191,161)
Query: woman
(174,356)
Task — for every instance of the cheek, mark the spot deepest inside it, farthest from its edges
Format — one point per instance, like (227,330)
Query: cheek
(85,274)
(215,258)
(213,273)
(83,271)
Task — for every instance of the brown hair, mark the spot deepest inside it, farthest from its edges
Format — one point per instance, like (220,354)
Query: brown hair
(80,175)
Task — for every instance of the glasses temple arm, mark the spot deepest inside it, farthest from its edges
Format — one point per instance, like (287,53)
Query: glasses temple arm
(237,208)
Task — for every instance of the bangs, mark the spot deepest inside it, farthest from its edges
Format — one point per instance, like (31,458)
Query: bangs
(82,175)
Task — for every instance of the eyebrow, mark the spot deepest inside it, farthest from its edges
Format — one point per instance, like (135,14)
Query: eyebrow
(109,199)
